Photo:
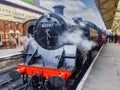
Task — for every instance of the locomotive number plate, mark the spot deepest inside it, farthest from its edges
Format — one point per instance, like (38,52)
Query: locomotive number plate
(47,25)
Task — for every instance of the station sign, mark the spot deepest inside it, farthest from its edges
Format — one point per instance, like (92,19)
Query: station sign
(17,13)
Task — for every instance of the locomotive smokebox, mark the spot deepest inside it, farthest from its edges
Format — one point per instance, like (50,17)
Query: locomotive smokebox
(59,9)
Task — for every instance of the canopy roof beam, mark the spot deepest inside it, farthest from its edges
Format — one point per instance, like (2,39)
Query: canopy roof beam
(109,10)
(110,19)
(104,2)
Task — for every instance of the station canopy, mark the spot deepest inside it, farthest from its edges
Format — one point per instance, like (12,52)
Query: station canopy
(110,12)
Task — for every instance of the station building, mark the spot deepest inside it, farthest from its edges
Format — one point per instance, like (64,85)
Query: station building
(13,13)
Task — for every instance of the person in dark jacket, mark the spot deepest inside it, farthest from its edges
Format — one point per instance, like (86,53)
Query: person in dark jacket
(115,37)
(111,37)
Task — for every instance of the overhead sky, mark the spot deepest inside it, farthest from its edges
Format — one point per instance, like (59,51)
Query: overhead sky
(77,8)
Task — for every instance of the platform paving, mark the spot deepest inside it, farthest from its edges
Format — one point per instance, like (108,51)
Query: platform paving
(7,52)
(105,73)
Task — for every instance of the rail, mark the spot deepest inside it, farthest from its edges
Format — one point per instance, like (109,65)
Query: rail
(11,56)
(6,82)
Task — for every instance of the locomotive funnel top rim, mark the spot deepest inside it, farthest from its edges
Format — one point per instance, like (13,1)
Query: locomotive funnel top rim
(56,6)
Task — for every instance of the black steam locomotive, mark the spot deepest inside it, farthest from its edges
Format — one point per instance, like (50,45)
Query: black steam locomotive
(51,65)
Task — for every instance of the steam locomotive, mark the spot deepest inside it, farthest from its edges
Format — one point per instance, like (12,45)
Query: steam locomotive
(49,65)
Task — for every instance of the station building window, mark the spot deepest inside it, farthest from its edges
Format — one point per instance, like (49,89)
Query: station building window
(0,38)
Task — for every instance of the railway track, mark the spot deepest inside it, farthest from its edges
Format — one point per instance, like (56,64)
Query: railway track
(8,63)
(10,57)
(10,84)
(7,70)
(6,82)
(20,87)
(4,74)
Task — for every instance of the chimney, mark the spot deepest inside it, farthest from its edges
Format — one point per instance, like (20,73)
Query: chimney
(59,9)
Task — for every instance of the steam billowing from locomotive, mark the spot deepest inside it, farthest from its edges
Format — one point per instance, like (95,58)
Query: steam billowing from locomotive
(76,37)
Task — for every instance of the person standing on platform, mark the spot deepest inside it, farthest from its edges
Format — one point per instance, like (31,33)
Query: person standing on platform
(111,37)
(108,37)
(115,38)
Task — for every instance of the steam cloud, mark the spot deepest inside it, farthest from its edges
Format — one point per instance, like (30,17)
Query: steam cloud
(76,37)
(26,40)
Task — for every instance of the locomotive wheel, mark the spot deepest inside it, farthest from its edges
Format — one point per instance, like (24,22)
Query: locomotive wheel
(36,83)
(33,83)
(14,75)
(57,83)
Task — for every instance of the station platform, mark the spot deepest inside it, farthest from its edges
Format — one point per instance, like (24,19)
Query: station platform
(9,52)
(105,72)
